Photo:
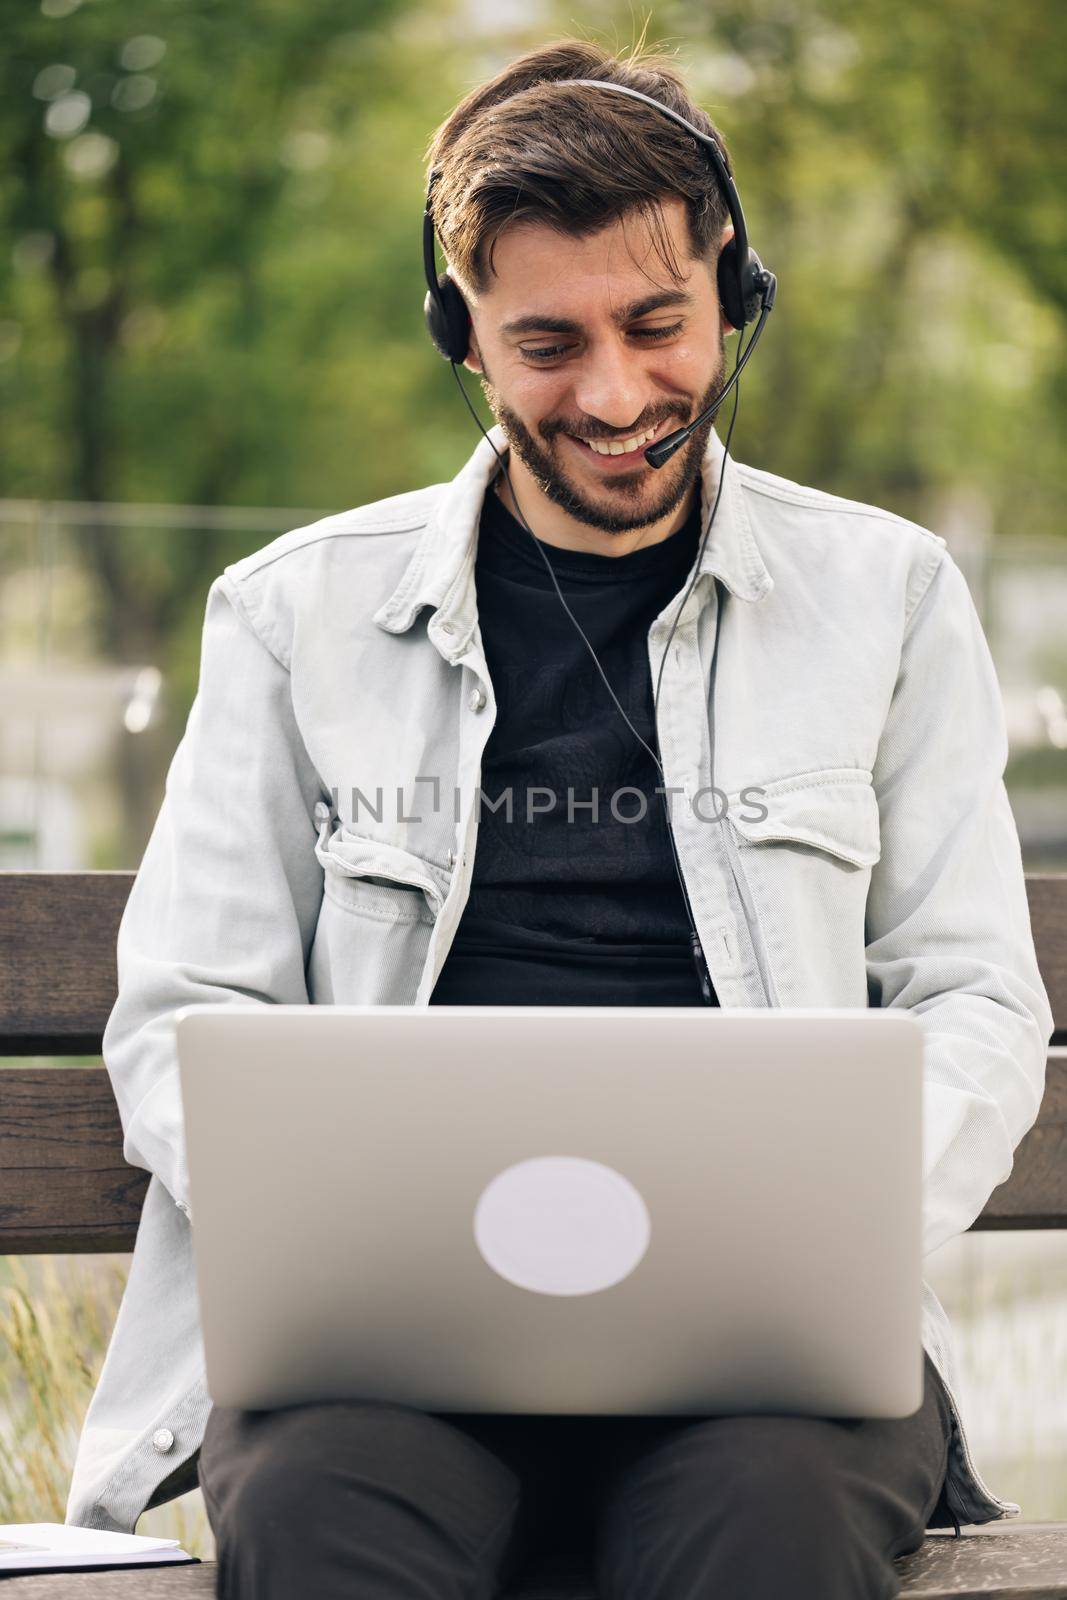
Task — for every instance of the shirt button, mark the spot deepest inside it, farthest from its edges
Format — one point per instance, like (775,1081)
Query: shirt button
(162,1440)
(451,858)
(447,627)
(476,699)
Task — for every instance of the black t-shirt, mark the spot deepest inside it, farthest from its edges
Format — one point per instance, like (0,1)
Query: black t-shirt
(586,912)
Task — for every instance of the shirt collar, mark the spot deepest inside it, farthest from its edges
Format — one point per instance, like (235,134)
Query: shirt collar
(441,570)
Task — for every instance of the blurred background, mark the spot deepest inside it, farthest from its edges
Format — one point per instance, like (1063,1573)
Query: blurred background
(211,332)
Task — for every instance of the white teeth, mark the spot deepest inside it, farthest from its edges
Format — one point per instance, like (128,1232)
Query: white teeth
(621,446)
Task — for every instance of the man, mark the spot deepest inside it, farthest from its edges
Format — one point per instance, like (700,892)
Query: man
(417,648)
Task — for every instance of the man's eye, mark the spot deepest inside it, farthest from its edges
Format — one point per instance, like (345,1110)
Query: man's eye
(551,351)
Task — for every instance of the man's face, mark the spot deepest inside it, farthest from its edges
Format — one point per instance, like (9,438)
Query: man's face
(575,343)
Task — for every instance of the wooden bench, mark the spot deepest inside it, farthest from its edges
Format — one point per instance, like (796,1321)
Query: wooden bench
(64,1187)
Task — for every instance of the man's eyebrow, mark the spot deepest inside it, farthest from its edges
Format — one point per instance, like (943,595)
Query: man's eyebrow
(638,308)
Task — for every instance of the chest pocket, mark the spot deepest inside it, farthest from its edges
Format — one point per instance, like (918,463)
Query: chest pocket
(378,880)
(806,844)
(378,911)
(834,810)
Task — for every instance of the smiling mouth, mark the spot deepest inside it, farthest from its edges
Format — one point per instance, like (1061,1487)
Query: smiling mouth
(626,457)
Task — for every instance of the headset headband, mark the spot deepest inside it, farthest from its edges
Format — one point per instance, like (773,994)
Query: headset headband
(726,183)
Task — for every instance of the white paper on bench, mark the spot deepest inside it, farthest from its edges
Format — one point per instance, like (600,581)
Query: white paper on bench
(61,1544)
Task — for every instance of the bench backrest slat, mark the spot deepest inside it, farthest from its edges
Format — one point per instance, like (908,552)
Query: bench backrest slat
(58,977)
(57,954)
(64,1185)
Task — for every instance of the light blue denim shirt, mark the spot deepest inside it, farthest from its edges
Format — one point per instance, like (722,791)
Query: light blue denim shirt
(342,664)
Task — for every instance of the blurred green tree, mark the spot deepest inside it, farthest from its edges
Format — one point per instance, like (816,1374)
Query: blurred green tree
(905,172)
(211,281)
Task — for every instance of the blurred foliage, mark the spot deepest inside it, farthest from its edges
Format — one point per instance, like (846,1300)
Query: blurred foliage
(56,1316)
(211,284)
(53,1344)
(1040,768)
(906,168)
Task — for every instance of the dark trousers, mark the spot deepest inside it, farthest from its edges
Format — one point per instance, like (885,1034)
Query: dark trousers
(373,1501)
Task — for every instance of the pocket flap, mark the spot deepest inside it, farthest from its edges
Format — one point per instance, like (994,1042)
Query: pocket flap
(835,809)
(354,856)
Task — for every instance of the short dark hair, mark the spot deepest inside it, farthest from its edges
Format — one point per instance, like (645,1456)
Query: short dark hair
(525,148)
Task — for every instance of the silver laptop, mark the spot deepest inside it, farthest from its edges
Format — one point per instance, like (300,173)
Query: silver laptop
(619,1210)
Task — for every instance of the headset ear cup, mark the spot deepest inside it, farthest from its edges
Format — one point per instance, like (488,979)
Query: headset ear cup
(731,296)
(435,322)
(448,320)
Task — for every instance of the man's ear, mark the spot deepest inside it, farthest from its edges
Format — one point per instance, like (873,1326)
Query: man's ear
(727,234)
(473,359)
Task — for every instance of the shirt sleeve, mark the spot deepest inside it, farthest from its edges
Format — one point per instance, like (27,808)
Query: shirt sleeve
(225,904)
(948,922)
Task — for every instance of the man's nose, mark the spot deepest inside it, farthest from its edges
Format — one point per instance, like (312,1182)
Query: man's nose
(612,386)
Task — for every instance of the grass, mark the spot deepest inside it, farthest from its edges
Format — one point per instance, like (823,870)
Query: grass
(56,1316)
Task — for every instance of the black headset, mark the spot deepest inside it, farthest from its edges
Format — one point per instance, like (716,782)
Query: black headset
(746,291)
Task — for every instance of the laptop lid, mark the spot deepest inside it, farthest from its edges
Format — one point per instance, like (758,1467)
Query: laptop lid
(619,1210)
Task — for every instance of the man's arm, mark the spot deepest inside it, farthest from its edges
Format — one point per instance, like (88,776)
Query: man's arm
(948,923)
(225,903)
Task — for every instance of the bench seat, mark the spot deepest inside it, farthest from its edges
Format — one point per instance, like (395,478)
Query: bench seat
(997,1561)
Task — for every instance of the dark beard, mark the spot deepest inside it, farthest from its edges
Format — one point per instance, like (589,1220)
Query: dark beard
(633,505)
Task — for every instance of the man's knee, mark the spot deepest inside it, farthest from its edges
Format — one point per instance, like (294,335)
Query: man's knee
(262,1468)
(747,1466)
(737,1505)
(259,1467)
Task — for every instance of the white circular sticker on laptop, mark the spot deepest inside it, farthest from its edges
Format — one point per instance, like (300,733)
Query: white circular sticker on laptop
(561,1225)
